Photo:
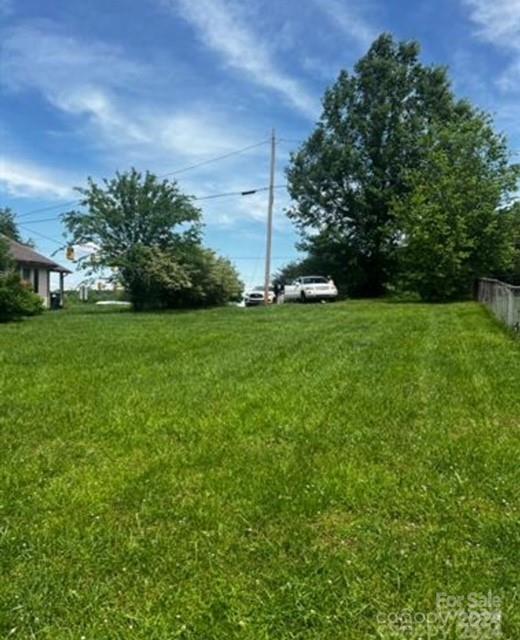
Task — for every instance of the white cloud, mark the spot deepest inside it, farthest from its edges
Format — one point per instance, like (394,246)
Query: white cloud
(59,62)
(88,83)
(76,77)
(498,22)
(221,27)
(198,134)
(19,179)
(349,21)
(117,101)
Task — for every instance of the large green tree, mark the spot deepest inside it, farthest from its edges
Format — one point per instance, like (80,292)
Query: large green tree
(8,226)
(148,234)
(345,177)
(129,210)
(134,222)
(452,222)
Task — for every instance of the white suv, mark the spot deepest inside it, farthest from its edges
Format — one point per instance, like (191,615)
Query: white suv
(311,288)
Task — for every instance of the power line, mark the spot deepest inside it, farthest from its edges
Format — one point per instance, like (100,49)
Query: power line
(42,220)
(247,192)
(216,159)
(42,235)
(56,206)
(164,175)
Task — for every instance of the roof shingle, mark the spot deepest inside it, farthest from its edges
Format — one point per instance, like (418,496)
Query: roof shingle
(25,255)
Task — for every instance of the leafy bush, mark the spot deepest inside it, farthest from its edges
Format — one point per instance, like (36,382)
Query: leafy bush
(16,299)
(213,281)
(151,276)
(194,277)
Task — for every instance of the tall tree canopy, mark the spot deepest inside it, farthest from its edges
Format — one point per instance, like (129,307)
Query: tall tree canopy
(453,222)
(129,210)
(345,177)
(149,234)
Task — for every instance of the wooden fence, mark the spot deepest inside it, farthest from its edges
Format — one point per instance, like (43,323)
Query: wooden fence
(502,299)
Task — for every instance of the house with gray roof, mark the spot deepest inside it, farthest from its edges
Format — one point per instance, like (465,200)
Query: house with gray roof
(35,269)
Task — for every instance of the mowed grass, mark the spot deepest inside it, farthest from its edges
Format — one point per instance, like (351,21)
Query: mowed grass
(266,473)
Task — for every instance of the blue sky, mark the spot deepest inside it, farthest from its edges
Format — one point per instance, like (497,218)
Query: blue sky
(88,88)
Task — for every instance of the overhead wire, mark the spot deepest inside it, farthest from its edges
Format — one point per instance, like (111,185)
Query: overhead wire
(177,171)
(42,235)
(216,159)
(164,175)
(213,196)
(246,192)
(50,208)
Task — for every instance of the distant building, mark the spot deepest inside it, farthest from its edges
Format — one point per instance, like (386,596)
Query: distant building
(36,270)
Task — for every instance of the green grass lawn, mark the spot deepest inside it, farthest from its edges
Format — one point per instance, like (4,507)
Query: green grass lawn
(267,473)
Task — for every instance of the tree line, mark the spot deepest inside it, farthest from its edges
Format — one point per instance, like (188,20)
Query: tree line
(401,188)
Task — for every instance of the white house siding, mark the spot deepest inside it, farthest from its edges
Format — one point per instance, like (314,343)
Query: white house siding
(43,285)
(43,281)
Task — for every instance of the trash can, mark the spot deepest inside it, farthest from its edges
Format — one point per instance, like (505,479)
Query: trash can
(55,300)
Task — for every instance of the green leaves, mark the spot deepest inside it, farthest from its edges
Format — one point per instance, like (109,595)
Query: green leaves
(16,299)
(132,209)
(193,277)
(5,258)
(346,176)
(8,226)
(451,223)
(149,233)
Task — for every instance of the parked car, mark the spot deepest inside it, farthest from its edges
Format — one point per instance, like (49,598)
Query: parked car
(311,288)
(255,296)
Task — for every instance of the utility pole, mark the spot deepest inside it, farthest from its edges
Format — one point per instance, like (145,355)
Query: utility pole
(269,237)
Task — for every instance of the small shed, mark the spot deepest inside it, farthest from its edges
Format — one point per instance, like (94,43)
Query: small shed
(36,269)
